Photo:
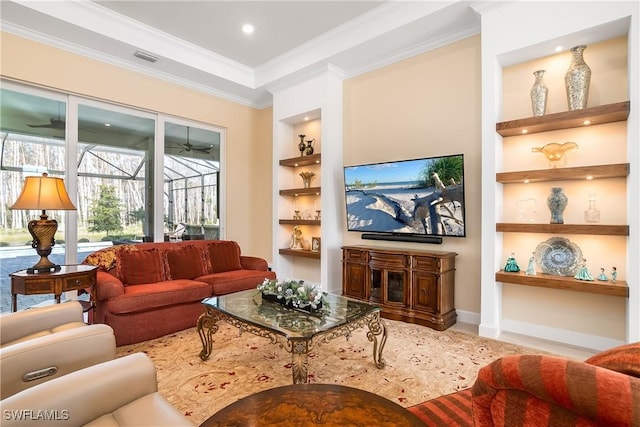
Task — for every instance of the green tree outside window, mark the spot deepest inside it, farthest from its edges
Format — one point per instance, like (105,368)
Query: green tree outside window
(106,211)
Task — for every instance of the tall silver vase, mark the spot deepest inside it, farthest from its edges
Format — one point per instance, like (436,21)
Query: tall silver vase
(539,94)
(577,79)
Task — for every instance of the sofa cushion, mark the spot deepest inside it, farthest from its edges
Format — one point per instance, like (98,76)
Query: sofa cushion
(139,267)
(235,281)
(186,262)
(153,295)
(224,255)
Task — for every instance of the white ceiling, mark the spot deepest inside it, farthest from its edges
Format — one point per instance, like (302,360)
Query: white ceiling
(200,44)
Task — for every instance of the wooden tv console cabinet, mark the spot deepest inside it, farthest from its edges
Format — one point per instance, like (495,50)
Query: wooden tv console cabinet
(410,285)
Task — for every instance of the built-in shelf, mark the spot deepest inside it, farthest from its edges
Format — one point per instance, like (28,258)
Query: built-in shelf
(620,170)
(295,162)
(566,120)
(299,221)
(617,289)
(300,253)
(592,229)
(311,191)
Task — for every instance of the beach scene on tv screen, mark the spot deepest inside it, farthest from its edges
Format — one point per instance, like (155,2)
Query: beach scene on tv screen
(423,196)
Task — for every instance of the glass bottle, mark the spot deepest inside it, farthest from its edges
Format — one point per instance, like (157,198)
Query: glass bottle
(592,215)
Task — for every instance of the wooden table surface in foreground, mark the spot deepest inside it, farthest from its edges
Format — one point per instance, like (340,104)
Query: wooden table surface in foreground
(324,405)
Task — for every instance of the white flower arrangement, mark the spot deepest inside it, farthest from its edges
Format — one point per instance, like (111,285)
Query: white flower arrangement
(294,292)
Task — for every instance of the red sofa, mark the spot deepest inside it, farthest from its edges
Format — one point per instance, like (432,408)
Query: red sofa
(537,391)
(148,290)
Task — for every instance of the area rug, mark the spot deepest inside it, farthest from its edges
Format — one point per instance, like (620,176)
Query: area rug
(420,364)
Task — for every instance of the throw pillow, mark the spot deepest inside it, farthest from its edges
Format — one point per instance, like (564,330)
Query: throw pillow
(187,262)
(139,267)
(224,256)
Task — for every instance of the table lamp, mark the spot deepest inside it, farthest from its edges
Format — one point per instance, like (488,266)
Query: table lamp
(43,192)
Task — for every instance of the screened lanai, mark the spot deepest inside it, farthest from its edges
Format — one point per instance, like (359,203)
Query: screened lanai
(113,164)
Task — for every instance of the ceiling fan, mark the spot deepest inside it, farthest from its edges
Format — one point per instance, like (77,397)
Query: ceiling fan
(54,123)
(188,147)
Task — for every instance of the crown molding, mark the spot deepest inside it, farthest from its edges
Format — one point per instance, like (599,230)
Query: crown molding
(377,22)
(416,50)
(101,20)
(115,61)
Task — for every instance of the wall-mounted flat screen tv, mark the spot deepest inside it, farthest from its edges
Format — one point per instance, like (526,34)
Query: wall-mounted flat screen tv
(419,197)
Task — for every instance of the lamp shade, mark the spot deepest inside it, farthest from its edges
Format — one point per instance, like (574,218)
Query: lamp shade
(44,193)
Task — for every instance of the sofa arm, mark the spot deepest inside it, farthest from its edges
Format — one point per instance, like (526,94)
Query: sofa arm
(112,389)
(29,363)
(14,326)
(107,286)
(624,358)
(537,390)
(253,263)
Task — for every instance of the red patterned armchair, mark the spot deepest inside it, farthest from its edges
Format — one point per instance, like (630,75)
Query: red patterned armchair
(536,390)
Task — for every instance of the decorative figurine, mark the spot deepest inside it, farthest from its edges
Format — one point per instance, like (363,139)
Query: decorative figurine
(614,274)
(531,267)
(583,272)
(296,239)
(512,265)
(602,276)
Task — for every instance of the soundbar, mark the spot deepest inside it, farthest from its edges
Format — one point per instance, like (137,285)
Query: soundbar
(402,238)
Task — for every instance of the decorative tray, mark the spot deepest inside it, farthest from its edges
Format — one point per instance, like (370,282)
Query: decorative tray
(558,256)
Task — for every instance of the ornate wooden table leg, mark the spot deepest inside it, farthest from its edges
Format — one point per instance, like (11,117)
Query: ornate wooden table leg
(206,328)
(299,359)
(377,327)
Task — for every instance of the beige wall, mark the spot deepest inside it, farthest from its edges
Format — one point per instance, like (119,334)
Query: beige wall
(428,105)
(248,149)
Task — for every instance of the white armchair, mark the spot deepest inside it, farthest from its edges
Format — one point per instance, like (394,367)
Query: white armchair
(119,392)
(43,343)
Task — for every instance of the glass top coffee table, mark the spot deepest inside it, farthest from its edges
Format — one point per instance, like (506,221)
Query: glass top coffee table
(295,330)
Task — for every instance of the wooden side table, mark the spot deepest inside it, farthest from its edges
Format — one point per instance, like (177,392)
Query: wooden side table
(306,405)
(68,278)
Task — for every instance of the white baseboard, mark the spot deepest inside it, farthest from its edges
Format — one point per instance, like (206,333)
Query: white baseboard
(593,342)
(468,317)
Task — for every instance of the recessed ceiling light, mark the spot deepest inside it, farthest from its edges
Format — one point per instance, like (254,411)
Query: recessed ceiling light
(247,28)
(558,48)
(306,118)
(107,124)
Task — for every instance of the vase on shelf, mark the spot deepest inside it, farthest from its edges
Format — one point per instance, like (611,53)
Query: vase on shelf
(306,178)
(309,148)
(539,92)
(577,79)
(592,214)
(301,145)
(557,202)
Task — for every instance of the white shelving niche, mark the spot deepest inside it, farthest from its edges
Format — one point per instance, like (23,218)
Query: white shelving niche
(598,314)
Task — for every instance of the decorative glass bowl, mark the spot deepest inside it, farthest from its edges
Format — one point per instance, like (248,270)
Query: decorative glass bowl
(558,256)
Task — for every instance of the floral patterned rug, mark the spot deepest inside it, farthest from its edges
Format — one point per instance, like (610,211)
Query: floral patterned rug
(420,364)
